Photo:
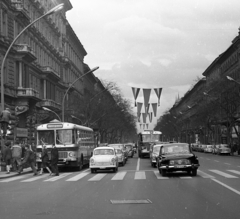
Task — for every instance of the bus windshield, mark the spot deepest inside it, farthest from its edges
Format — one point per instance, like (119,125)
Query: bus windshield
(146,138)
(65,137)
(155,137)
(46,137)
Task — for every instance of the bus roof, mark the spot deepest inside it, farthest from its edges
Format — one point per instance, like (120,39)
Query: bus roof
(62,125)
(150,131)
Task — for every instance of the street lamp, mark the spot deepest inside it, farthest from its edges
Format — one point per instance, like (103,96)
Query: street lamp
(231,79)
(64,96)
(45,108)
(77,119)
(52,11)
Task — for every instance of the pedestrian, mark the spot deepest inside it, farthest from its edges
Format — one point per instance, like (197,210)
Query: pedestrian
(7,156)
(4,120)
(29,159)
(54,160)
(45,160)
(16,155)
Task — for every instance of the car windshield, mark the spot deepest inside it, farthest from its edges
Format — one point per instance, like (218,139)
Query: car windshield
(175,149)
(129,147)
(118,151)
(156,149)
(104,152)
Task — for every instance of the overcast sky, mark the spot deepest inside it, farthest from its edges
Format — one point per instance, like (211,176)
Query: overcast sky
(154,43)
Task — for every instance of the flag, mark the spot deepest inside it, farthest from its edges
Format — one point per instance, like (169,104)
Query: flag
(135,93)
(158,92)
(146,95)
(154,106)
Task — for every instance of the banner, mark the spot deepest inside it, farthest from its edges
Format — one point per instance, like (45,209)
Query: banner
(146,95)
(139,107)
(135,93)
(144,115)
(154,106)
(158,92)
(150,116)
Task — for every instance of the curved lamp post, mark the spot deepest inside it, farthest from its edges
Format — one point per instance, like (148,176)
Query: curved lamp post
(231,79)
(64,96)
(45,108)
(74,117)
(52,11)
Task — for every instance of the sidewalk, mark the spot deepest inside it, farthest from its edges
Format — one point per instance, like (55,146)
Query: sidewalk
(3,174)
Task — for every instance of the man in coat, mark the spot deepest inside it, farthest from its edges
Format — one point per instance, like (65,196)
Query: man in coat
(16,155)
(7,156)
(54,160)
(4,120)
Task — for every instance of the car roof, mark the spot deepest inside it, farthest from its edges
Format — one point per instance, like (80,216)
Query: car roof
(104,147)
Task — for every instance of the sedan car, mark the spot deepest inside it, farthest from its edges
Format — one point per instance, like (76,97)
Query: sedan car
(129,148)
(208,149)
(122,147)
(104,158)
(121,157)
(223,149)
(177,157)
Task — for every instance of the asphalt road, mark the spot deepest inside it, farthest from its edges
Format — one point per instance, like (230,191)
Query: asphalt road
(136,191)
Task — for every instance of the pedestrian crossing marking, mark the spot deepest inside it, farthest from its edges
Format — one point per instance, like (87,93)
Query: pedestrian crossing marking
(223,174)
(235,171)
(157,174)
(55,178)
(140,175)
(204,175)
(185,177)
(97,177)
(77,177)
(35,178)
(119,176)
(14,178)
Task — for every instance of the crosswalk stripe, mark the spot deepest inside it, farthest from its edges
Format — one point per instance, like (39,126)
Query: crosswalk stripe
(157,174)
(79,176)
(97,177)
(223,174)
(55,178)
(15,178)
(235,171)
(204,175)
(185,177)
(140,175)
(119,176)
(34,178)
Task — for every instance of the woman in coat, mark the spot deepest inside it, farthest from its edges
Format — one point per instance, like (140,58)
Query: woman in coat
(54,160)
(45,160)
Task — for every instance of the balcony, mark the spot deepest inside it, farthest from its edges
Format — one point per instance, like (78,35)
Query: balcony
(65,58)
(18,5)
(48,72)
(25,52)
(51,104)
(28,93)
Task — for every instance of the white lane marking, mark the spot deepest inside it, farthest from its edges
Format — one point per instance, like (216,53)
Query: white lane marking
(138,164)
(226,186)
(227,163)
(234,171)
(77,177)
(216,160)
(119,176)
(223,174)
(55,178)
(15,178)
(140,175)
(185,177)
(204,175)
(97,177)
(34,178)
(157,174)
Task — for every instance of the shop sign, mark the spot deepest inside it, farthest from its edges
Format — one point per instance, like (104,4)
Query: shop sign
(22,132)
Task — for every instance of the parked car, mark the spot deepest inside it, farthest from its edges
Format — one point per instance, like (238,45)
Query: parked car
(177,157)
(223,149)
(208,149)
(122,147)
(129,148)
(194,146)
(121,157)
(215,149)
(154,153)
(202,148)
(104,158)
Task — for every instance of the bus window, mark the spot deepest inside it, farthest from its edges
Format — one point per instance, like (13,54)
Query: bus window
(64,137)
(46,137)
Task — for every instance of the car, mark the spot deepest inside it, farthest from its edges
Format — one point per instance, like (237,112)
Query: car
(208,149)
(177,157)
(223,149)
(215,149)
(154,153)
(202,148)
(194,146)
(129,148)
(104,158)
(121,157)
(122,147)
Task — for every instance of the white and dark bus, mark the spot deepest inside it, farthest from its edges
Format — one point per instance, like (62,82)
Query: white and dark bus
(75,143)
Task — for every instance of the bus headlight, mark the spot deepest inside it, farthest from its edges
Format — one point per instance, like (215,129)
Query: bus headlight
(72,154)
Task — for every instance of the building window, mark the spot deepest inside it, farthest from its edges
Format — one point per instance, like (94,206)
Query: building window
(4,21)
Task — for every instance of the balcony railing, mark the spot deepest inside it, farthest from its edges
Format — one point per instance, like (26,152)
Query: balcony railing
(50,104)
(49,72)
(28,92)
(26,51)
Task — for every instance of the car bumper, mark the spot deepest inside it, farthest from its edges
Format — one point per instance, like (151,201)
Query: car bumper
(179,167)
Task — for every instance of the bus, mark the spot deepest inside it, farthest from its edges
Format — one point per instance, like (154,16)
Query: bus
(145,139)
(75,143)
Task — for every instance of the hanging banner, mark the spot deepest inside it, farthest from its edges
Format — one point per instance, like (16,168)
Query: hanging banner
(150,116)
(146,95)
(147,126)
(144,115)
(147,108)
(158,92)
(139,107)
(154,106)
(135,93)
(138,116)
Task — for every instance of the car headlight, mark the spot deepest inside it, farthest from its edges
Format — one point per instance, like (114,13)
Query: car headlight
(72,154)
(171,162)
(91,161)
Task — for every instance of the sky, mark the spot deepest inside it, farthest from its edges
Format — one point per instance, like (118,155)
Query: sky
(151,44)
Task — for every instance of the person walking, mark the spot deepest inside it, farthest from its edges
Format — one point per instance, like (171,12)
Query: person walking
(45,160)
(54,160)
(7,156)
(4,120)
(16,155)
(29,159)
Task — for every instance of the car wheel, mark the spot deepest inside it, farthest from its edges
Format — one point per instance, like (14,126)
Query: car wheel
(194,172)
(92,170)
(163,172)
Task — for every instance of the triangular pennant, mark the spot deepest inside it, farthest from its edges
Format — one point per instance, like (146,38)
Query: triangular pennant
(138,116)
(143,126)
(158,92)
(139,107)
(146,95)
(150,116)
(147,126)
(147,109)
(154,106)
(140,126)
(144,115)
(135,93)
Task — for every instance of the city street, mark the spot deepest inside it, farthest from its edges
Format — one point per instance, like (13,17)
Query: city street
(136,191)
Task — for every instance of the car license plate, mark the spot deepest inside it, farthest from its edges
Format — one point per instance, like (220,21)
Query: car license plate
(179,166)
